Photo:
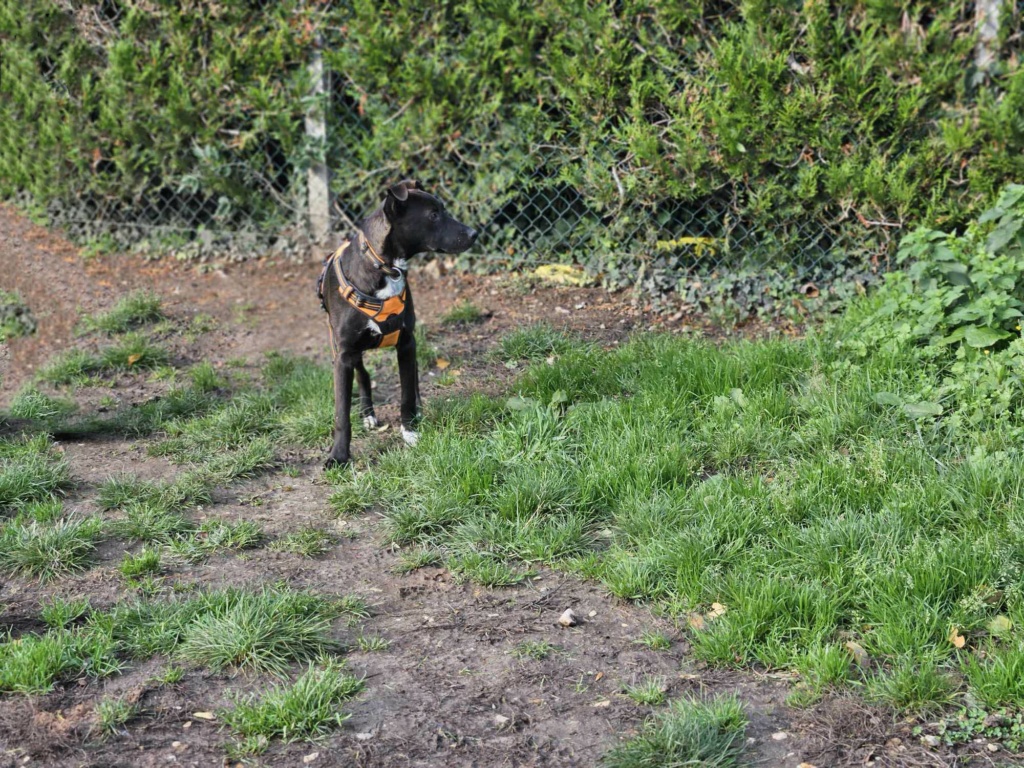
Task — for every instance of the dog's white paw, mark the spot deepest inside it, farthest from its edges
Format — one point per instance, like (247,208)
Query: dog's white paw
(370,422)
(410,437)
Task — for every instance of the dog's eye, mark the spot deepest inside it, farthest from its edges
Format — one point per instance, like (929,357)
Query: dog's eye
(434,216)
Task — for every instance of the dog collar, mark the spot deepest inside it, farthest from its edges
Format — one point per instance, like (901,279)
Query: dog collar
(387,269)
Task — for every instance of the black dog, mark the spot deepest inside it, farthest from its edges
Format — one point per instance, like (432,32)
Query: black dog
(369,304)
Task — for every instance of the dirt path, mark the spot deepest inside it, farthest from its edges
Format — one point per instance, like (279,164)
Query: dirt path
(448,690)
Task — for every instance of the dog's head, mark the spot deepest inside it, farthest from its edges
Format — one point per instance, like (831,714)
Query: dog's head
(419,221)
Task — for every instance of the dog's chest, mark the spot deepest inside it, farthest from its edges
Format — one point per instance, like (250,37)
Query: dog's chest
(394,285)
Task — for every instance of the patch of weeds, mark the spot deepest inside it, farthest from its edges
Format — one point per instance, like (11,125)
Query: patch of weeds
(214,537)
(422,557)
(372,643)
(309,542)
(205,378)
(651,692)
(133,352)
(30,470)
(146,562)
(153,522)
(35,663)
(43,512)
(113,713)
(921,688)
(172,675)
(75,366)
(246,461)
(309,708)
(59,613)
(199,324)
(263,632)
(997,680)
(353,495)
(125,490)
(32,404)
(485,570)
(15,318)
(446,378)
(352,606)
(234,427)
(537,650)
(1005,726)
(537,342)
(463,313)
(656,641)
(710,734)
(40,551)
(133,311)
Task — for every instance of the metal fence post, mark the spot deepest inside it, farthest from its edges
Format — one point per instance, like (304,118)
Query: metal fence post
(987,24)
(318,177)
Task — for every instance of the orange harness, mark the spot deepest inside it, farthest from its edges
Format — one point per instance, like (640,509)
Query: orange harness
(387,313)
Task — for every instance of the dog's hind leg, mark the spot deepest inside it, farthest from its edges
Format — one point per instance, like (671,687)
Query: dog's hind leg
(343,380)
(410,380)
(365,395)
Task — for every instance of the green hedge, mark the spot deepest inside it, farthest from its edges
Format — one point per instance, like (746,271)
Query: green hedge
(792,132)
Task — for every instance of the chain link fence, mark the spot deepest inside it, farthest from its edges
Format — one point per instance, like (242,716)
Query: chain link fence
(252,186)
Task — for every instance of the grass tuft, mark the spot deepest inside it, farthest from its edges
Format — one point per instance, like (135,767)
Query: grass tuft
(262,632)
(132,311)
(710,734)
(651,692)
(308,542)
(463,313)
(35,663)
(538,650)
(309,708)
(30,470)
(35,550)
(113,713)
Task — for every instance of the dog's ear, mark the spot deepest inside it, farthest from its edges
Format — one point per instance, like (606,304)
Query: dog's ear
(400,191)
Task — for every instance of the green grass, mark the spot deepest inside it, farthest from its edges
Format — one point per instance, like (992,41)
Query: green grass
(536,342)
(656,641)
(262,632)
(15,318)
(372,643)
(215,537)
(307,709)
(762,476)
(113,713)
(711,734)
(146,562)
(308,542)
(537,650)
(47,551)
(133,311)
(59,613)
(31,470)
(32,404)
(132,352)
(463,313)
(649,692)
(35,663)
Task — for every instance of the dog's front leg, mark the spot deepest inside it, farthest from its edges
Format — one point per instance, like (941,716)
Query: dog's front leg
(343,376)
(410,380)
(365,395)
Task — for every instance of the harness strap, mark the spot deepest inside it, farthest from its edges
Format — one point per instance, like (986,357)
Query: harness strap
(387,313)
